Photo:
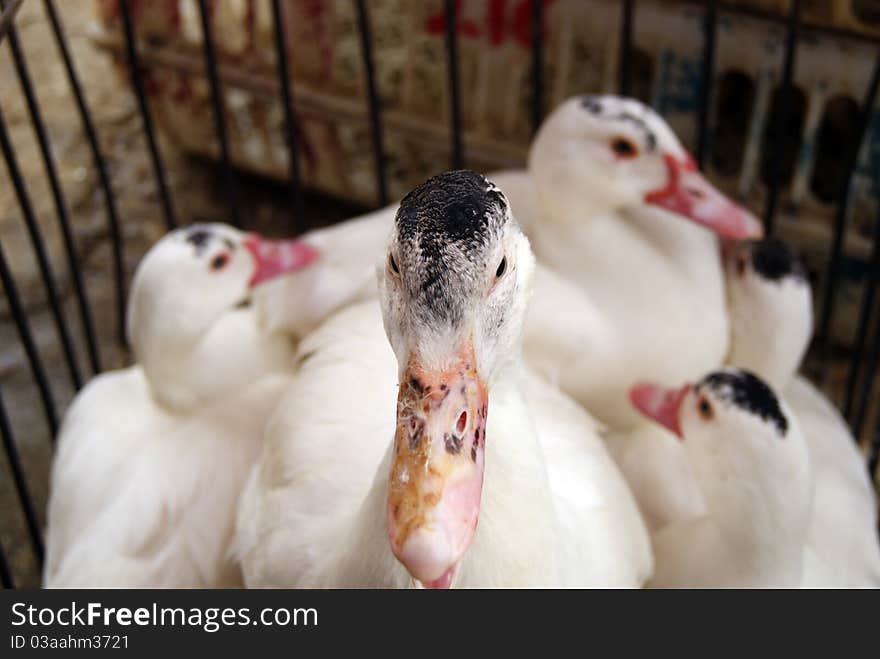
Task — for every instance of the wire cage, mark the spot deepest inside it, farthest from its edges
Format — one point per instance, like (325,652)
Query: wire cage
(363,100)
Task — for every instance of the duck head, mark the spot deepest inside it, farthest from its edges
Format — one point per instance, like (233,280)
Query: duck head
(610,154)
(187,282)
(453,286)
(770,306)
(741,440)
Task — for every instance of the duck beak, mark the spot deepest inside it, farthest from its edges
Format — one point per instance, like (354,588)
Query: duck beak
(688,193)
(436,474)
(661,404)
(274,258)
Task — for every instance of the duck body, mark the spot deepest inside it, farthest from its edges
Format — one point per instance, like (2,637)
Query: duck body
(312,512)
(142,497)
(843,526)
(650,275)
(345,495)
(151,459)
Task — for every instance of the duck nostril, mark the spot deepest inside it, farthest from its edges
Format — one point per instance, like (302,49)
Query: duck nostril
(695,193)
(462,422)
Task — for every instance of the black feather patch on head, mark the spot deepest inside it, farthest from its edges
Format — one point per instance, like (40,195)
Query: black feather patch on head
(591,104)
(747,392)
(773,260)
(199,237)
(444,229)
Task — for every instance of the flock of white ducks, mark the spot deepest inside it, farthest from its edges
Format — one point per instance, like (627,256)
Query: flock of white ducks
(410,398)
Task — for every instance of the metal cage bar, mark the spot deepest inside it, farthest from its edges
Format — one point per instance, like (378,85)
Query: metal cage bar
(451,25)
(866,313)
(537,64)
(25,499)
(874,451)
(873,361)
(822,341)
(39,248)
(7,18)
(374,101)
(217,105)
(290,128)
(74,267)
(777,154)
(100,166)
(38,370)
(5,573)
(146,118)
(624,84)
(710,31)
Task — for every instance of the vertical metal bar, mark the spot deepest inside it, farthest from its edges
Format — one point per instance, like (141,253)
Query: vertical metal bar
(874,452)
(861,404)
(826,312)
(710,29)
(137,81)
(290,126)
(5,574)
(73,262)
(21,487)
(219,114)
(791,38)
(625,57)
(27,342)
(45,268)
(100,166)
(374,101)
(8,17)
(452,70)
(866,311)
(537,64)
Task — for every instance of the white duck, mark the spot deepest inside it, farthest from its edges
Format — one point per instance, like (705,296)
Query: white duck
(344,496)
(151,459)
(612,183)
(771,319)
(753,467)
(771,325)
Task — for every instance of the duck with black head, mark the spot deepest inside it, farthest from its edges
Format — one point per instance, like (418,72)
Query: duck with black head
(484,475)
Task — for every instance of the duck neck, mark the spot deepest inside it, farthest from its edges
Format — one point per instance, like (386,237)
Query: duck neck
(765,527)
(166,346)
(514,543)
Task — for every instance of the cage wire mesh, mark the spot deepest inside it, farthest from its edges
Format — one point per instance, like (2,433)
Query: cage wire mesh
(102,101)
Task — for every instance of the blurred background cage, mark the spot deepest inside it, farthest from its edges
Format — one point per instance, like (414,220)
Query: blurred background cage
(119,120)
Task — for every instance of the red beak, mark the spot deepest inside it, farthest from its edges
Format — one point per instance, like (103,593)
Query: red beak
(274,258)
(688,193)
(661,404)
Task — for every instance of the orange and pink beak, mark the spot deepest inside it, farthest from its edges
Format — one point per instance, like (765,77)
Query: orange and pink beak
(688,193)
(274,258)
(661,404)
(436,477)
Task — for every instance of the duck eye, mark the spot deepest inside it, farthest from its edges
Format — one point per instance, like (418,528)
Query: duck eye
(219,261)
(624,148)
(393,264)
(705,408)
(502,267)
